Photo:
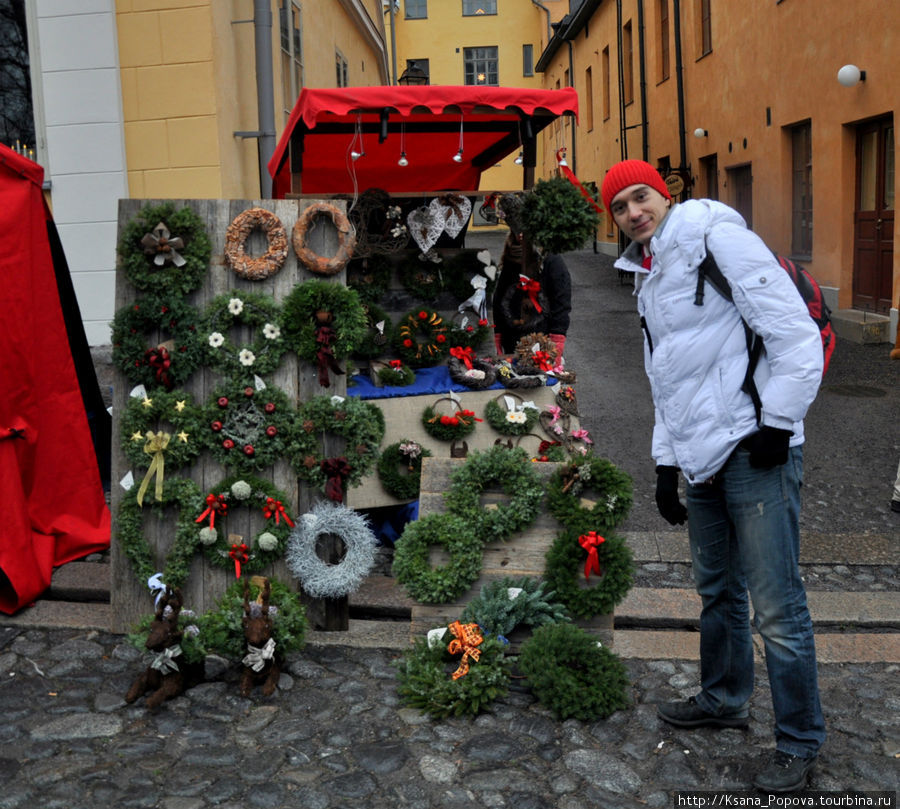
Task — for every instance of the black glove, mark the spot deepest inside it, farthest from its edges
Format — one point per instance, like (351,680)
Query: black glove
(769,447)
(671,508)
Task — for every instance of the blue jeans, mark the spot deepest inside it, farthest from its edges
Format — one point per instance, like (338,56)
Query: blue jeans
(744,534)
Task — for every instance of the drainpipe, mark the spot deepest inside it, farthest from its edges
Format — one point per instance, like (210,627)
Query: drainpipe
(265,96)
(679,70)
(574,161)
(393,9)
(623,146)
(547,12)
(645,146)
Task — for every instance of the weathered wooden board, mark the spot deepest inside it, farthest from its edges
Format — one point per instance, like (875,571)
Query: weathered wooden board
(520,555)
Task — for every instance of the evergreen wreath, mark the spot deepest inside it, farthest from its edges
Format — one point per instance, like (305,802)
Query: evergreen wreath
(516,420)
(256,268)
(183,494)
(324,322)
(568,486)
(510,602)
(358,422)
(557,217)
(421,279)
(572,675)
(446,427)
(425,680)
(192,643)
(421,338)
(460,268)
(223,626)
(467,369)
(444,583)
(248,429)
(407,455)
(144,413)
(467,331)
(370,276)
(377,339)
(254,494)
(156,365)
(255,311)
(317,577)
(165,249)
(511,471)
(564,574)
(396,374)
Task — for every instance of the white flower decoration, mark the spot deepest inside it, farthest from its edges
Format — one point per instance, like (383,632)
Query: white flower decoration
(516,417)
(208,536)
(271,331)
(267,541)
(247,357)
(216,339)
(241,489)
(235,306)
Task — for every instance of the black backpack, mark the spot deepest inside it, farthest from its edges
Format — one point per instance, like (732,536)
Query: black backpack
(809,290)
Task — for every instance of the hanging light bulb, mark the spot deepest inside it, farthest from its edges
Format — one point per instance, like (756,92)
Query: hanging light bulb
(519,159)
(354,155)
(402,161)
(457,158)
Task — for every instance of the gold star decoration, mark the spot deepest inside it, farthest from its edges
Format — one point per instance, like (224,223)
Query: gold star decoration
(183,437)
(147,402)
(179,406)
(137,437)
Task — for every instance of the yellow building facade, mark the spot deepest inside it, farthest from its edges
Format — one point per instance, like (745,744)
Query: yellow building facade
(742,102)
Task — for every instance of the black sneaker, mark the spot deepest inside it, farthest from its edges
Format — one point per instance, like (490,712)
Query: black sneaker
(785,773)
(895,505)
(689,714)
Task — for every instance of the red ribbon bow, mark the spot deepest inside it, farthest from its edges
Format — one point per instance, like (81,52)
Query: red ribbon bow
(337,470)
(590,542)
(464,354)
(542,358)
(158,359)
(396,364)
(275,508)
(324,355)
(240,554)
(532,287)
(214,504)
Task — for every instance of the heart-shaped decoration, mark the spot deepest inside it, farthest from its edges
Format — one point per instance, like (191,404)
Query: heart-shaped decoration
(424,227)
(453,211)
(484,256)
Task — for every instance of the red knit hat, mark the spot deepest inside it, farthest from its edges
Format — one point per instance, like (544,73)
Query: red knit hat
(631,172)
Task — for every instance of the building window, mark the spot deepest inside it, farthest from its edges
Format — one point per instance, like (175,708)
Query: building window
(605,82)
(528,60)
(17,128)
(416,9)
(341,70)
(481,66)
(589,99)
(710,166)
(705,27)
(290,24)
(628,63)
(663,9)
(417,72)
(801,190)
(470,8)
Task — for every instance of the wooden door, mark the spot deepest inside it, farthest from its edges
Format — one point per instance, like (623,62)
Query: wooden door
(740,181)
(873,230)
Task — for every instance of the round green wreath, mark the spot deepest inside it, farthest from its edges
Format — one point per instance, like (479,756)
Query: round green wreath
(424,675)
(269,543)
(444,583)
(359,423)
(468,335)
(568,485)
(223,626)
(348,318)
(180,492)
(370,276)
(498,611)
(421,279)
(512,471)
(572,675)
(460,269)
(247,429)
(408,454)
(140,244)
(421,338)
(375,342)
(144,413)
(131,353)
(399,377)
(564,574)
(252,309)
(452,427)
(510,422)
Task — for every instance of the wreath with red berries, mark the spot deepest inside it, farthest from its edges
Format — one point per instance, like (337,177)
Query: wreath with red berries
(177,351)
(421,338)
(246,428)
(448,426)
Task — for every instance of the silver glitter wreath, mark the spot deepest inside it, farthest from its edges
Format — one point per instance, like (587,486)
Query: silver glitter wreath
(317,577)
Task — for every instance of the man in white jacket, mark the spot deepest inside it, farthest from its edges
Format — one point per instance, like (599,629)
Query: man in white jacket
(743,472)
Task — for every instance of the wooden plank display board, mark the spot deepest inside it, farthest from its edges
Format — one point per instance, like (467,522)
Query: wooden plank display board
(520,555)
(130,599)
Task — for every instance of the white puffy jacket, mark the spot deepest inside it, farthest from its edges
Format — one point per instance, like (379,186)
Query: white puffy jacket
(699,354)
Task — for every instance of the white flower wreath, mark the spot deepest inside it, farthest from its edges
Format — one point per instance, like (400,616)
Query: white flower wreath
(318,578)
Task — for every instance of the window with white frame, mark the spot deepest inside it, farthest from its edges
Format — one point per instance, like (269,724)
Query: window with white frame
(341,70)
(472,8)
(480,66)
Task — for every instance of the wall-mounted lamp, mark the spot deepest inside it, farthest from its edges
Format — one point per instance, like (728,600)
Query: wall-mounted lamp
(700,132)
(849,75)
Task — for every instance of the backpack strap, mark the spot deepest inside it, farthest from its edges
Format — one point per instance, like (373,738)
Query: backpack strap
(708,270)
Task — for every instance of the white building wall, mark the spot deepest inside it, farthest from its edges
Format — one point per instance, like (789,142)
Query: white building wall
(75,67)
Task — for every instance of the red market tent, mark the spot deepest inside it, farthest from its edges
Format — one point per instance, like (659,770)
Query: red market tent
(429,123)
(52,507)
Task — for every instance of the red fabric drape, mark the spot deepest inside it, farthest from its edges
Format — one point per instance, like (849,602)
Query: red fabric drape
(52,508)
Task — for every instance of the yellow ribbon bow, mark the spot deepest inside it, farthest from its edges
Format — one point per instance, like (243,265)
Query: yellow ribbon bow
(466,639)
(155,447)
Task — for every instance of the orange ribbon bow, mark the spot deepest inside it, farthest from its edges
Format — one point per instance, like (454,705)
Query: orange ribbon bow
(466,640)
(590,542)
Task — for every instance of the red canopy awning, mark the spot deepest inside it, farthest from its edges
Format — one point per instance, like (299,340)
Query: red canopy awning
(423,121)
